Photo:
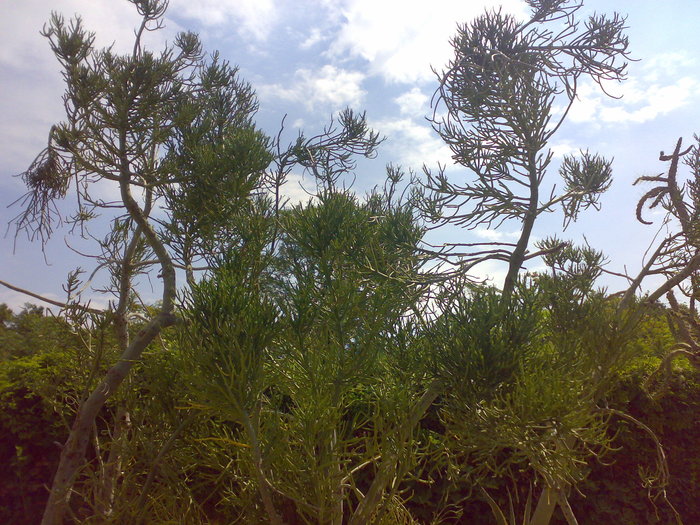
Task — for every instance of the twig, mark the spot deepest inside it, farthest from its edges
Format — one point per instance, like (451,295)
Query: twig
(51,301)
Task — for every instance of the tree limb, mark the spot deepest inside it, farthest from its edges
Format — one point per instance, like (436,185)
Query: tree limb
(52,301)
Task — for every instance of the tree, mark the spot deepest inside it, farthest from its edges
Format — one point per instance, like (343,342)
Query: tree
(494,108)
(49,364)
(294,343)
(303,352)
(134,120)
(677,256)
(602,331)
(218,159)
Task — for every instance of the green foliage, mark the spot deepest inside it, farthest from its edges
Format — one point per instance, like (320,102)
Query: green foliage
(39,389)
(218,158)
(481,340)
(230,325)
(331,154)
(316,375)
(341,304)
(585,179)
(202,476)
(615,489)
(519,388)
(29,332)
(301,355)
(31,430)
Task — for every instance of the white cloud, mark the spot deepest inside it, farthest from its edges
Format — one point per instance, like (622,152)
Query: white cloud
(296,190)
(652,101)
(109,191)
(667,65)
(413,103)
(400,39)
(315,36)
(496,235)
(414,144)
(560,149)
(492,271)
(495,271)
(17,300)
(30,79)
(653,90)
(113,23)
(585,108)
(252,18)
(328,86)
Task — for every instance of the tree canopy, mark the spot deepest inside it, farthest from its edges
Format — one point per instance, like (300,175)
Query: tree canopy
(320,362)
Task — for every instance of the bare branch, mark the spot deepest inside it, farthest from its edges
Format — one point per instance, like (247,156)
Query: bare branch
(52,301)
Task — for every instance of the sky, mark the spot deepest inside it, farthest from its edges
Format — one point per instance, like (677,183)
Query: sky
(309,59)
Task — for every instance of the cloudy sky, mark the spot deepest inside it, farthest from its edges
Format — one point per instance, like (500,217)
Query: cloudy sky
(307,59)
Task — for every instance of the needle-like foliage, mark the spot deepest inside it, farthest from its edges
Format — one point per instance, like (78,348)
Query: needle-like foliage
(500,101)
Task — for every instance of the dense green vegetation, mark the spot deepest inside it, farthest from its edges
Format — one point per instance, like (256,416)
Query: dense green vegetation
(320,362)
(190,479)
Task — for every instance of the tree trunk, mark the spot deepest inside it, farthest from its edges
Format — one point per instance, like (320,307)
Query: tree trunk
(104,495)
(387,467)
(73,453)
(545,507)
(517,258)
(259,473)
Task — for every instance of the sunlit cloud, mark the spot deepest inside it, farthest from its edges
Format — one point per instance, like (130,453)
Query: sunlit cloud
(652,101)
(297,189)
(17,300)
(563,148)
(328,86)
(112,22)
(315,37)
(251,18)
(653,89)
(663,66)
(491,271)
(402,40)
(496,235)
(413,143)
(413,103)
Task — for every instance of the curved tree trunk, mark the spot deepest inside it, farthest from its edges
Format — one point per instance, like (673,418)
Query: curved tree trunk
(518,256)
(73,452)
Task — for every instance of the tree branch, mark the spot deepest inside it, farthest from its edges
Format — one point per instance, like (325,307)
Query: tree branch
(52,301)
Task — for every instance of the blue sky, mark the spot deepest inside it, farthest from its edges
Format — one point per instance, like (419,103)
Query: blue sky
(309,59)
